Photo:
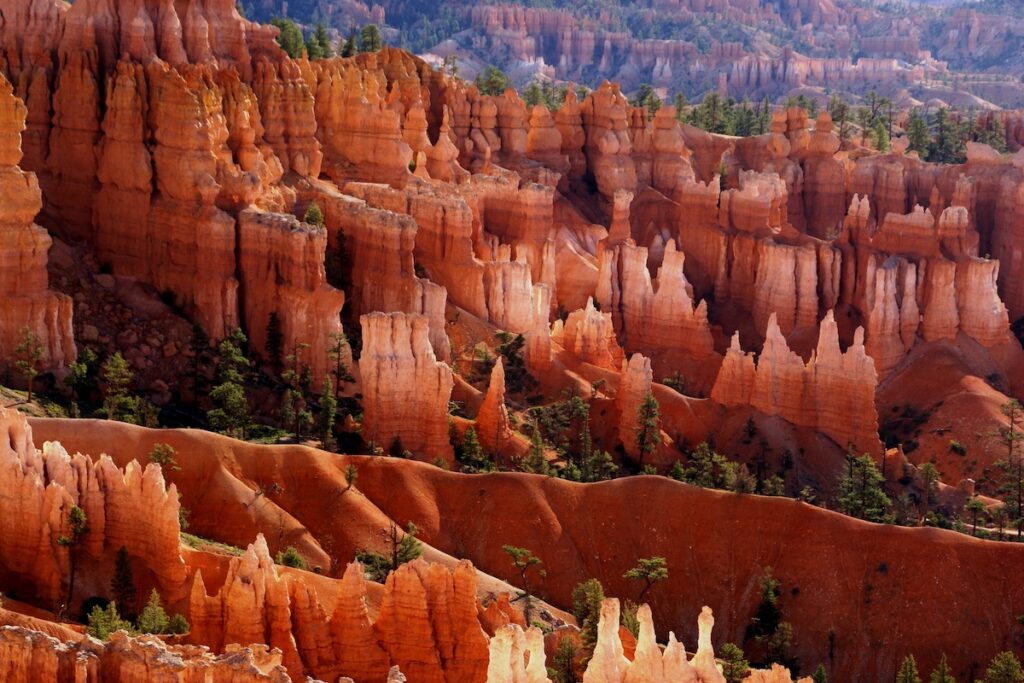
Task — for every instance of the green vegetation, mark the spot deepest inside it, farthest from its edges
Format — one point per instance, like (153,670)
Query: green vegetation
(28,354)
(586,607)
(163,455)
(650,570)
(401,548)
(492,81)
(860,490)
(908,671)
(522,561)
(230,414)
(290,557)
(648,434)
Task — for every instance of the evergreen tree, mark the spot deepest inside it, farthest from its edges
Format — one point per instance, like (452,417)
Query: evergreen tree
(586,607)
(735,666)
(942,672)
(536,460)
(709,469)
(563,669)
(650,570)
(947,145)
(860,490)
(533,95)
(78,527)
(349,48)
(522,561)
(880,135)
(82,377)
(370,39)
(646,97)
(328,414)
(163,455)
(1011,482)
(231,412)
(153,618)
(682,108)
(319,44)
(400,549)
(314,215)
(648,434)
(975,507)
(993,134)
(820,675)
(118,404)
(104,621)
(122,586)
(337,353)
(492,81)
(1004,668)
(27,354)
(930,479)
(917,134)
(908,671)
(290,37)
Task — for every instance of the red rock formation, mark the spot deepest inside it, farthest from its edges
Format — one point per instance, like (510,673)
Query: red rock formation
(589,334)
(281,261)
(360,133)
(405,389)
(24,247)
(381,247)
(27,656)
(654,319)
(834,392)
(492,425)
(608,146)
(129,508)
(634,385)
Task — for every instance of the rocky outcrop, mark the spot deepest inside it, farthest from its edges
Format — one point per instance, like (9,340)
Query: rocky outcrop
(29,306)
(360,133)
(130,508)
(650,664)
(492,425)
(653,316)
(281,262)
(516,656)
(380,247)
(608,146)
(405,389)
(589,334)
(27,656)
(834,392)
(634,385)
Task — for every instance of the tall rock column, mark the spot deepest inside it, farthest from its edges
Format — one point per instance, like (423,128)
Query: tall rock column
(405,389)
(282,265)
(634,385)
(492,424)
(24,249)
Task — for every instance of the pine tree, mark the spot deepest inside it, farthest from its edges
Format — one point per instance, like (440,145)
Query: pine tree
(908,671)
(231,412)
(78,526)
(522,561)
(104,621)
(820,675)
(563,669)
(1011,483)
(370,39)
(648,433)
(650,570)
(1004,668)
(975,506)
(328,414)
(942,672)
(682,108)
(349,48)
(735,666)
(322,40)
(917,134)
(28,353)
(535,460)
(586,607)
(337,353)
(860,490)
(290,37)
(533,95)
(118,404)
(122,586)
(153,618)
(492,81)
(400,549)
